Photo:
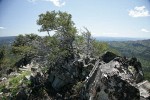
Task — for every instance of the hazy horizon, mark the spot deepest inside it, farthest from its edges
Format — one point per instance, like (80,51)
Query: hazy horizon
(99,38)
(92,36)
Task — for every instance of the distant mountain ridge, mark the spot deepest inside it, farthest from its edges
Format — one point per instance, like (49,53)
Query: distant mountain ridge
(139,48)
(8,39)
(106,39)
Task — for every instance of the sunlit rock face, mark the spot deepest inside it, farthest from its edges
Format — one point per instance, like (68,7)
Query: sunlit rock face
(115,80)
(144,88)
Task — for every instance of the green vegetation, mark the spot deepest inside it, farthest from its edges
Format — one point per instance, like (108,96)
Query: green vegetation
(77,87)
(25,45)
(60,45)
(7,59)
(62,24)
(14,82)
(2,54)
(99,47)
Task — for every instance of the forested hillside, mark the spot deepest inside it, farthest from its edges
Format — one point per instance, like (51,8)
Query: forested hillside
(139,49)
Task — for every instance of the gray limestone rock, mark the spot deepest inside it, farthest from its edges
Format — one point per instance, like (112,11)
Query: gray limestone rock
(115,80)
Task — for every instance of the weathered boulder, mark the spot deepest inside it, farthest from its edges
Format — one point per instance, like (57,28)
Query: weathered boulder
(115,80)
(108,56)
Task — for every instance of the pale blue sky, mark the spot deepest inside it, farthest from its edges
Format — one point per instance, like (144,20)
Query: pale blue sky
(113,18)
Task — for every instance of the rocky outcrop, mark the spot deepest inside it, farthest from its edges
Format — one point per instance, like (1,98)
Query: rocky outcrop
(71,72)
(110,77)
(117,79)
